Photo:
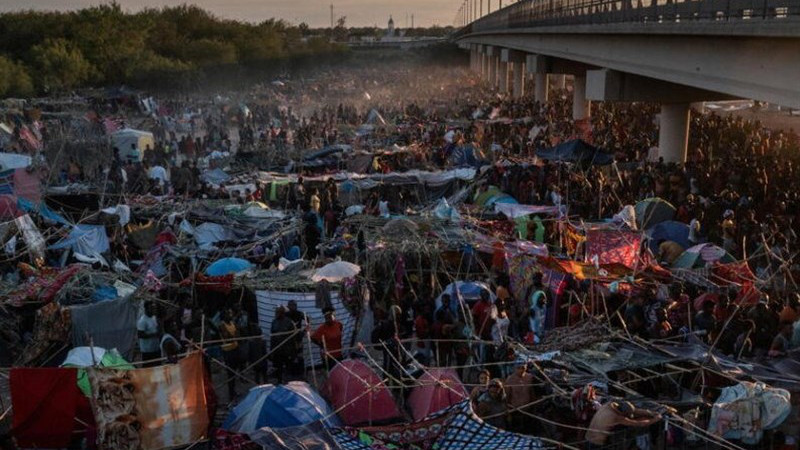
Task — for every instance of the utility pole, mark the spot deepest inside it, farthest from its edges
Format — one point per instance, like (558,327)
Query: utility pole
(481,7)
(412,20)
(331,16)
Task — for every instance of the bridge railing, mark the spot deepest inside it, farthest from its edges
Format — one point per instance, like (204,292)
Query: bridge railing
(536,13)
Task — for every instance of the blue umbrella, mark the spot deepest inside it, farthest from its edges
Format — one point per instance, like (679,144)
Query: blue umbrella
(288,405)
(226,266)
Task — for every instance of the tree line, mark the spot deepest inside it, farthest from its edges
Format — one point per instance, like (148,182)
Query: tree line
(50,52)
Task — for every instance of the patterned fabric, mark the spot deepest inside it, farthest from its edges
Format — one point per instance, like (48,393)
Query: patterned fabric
(460,429)
(610,247)
(7,182)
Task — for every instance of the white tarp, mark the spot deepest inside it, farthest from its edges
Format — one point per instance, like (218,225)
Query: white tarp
(268,301)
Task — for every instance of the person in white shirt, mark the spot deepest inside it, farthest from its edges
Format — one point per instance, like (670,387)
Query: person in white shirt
(694,228)
(148,332)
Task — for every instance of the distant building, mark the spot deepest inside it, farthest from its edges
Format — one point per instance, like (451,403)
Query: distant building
(390,27)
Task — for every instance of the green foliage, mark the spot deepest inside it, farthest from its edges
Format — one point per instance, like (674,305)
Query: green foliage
(14,79)
(104,45)
(59,65)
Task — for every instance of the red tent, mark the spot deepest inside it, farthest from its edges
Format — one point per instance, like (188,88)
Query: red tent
(438,389)
(358,395)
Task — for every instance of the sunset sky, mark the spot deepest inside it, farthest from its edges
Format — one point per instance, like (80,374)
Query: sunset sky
(314,12)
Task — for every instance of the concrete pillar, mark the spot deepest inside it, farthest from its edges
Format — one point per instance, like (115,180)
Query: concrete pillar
(580,106)
(540,85)
(502,76)
(484,66)
(519,79)
(560,81)
(673,133)
(700,107)
(493,70)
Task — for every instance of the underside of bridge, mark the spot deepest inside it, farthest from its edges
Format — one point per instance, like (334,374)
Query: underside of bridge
(675,66)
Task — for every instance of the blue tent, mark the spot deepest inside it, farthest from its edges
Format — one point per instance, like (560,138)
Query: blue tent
(671,230)
(286,405)
(226,266)
(576,151)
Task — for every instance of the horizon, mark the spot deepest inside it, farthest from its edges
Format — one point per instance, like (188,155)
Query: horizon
(315,13)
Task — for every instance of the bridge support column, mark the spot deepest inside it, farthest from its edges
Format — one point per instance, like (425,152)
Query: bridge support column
(560,81)
(519,80)
(540,86)
(502,75)
(673,133)
(484,65)
(581,107)
(493,70)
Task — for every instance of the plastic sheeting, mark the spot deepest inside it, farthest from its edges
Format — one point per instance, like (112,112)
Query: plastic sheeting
(89,240)
(208,234)
(227,266)
(514,211)
(744,411)
(359,394)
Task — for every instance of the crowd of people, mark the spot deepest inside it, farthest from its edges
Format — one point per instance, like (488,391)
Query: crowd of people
(739,190)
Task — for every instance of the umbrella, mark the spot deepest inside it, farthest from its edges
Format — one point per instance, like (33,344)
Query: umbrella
(227,266)
(438,389)
(701,255)
(358,394)
(652,211)
(336,271)
(293,404)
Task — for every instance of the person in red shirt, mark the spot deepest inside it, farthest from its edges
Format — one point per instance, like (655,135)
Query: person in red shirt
(482,321)
(329,337)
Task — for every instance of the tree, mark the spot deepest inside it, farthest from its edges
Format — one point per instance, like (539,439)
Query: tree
(14,79)
(59,65)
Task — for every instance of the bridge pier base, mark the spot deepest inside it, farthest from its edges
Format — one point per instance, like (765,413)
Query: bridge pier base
(581,107)
(519,79)
(673,132)
(540,87)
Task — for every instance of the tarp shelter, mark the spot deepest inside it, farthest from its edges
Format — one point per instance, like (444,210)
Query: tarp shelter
(268,301)
(127,138)
(83,357)
(336,271)
(744,411)
(287,405)
(576,151)
(359,395)
(670,230)
(701,255)
(438,388)
(467,291)
(652,211)
(227,266)
(89,240)
(14,161)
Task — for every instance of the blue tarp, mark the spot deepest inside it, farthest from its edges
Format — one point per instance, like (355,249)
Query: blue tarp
(670,230)
(288,405)
(87,240)
(216,176)
(226,266)
(577,151)
(43,210)
(464,157)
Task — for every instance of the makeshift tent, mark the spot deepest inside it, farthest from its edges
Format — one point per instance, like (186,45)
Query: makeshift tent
(702,255)
(227,266)
(336,271)
(268,301)
(127,138)
(286,405)
(438,389)
(83,357)
(14,161)
(744,411)
(652,211)
(359,395)
(670,230)
(576,151)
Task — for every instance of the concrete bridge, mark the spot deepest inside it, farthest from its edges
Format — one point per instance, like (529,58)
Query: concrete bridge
(673,52)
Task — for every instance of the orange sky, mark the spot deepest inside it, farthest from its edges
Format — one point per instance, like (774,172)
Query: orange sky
(314,12)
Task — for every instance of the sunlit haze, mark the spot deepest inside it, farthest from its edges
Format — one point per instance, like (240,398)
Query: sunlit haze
(316,13)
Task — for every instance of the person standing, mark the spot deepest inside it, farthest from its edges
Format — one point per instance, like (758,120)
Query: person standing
(282,342)
(148,332)
(329,337)
(519,388)
(613,414)
(230,349)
